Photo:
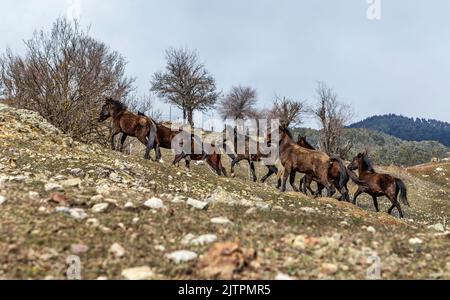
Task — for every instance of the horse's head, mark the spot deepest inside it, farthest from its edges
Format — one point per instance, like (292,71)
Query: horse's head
(109,108)
(356,162)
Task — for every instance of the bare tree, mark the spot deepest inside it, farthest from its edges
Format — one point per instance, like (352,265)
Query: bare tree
(333,116)
(288,111)
(239,103)
(143,104)
(65,75)
(185,83)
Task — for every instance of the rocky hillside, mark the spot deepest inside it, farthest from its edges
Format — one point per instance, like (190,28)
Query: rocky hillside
(129,218)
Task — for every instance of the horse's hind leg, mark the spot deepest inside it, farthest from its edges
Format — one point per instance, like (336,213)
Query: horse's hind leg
(396,204)
(177,159)
(272,170)
(253,171)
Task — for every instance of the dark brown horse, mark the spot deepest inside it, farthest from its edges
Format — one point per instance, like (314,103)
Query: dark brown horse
(248,156)
(214,159)
(129,124)
(334,176)
(379,185)
(296,159)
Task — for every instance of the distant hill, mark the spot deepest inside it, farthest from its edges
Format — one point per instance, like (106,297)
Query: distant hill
(385,149)
(409,129)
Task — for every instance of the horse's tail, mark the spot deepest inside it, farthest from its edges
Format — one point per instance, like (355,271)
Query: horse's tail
(403,192)
(343,176)
(152,135)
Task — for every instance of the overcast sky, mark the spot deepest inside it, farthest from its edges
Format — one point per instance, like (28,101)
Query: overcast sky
(398,64)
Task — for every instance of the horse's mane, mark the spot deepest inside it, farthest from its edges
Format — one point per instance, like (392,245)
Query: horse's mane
(368,163)
(304,141)
(117,104)
(288,133)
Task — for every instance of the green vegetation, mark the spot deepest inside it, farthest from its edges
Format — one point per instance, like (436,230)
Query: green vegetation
(384,149)
(408,128)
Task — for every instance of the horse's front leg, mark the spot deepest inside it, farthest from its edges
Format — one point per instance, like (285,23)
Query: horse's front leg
(357,194)
(286,175)
(233,165)
(122,141)
(113,137)
(177,159)
(292,181)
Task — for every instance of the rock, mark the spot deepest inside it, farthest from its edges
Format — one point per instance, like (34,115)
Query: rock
(79,249)
(60,199)
(263,206)
(204,240)
(178,200)
(77,172)
(281,277)
(187,239)
(74,182)
(437,227)
(100,208)
(329,269)
(154,203)
(371,229)
(415,241)
(308,210)
(303,242)
(93,222)
(117,250)
(78,213)
(251,211)
(129,205)
(224,260)
(221,221)
(51,186)
(222,196)
(104,190)
(200,205)
(182,256)
(138,273)
(97,198)
(2,200)
(115,177)
(33,195)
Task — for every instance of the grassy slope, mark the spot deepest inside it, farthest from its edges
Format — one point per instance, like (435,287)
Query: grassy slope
(35,240)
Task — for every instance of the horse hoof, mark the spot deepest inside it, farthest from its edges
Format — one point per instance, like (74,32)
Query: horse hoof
(233,175)
(161,161)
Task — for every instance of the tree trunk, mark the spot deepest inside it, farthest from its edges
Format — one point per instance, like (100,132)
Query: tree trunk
(190,113)
(184,115)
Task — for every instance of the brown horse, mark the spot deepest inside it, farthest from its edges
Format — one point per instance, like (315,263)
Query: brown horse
(296,159)
(334,175)
(250,158)
(129,124)
(379,185)
(213,160)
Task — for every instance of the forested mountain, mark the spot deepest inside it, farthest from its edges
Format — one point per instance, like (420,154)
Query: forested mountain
(409,129)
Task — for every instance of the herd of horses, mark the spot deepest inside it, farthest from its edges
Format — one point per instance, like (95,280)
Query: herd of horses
(329,173)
